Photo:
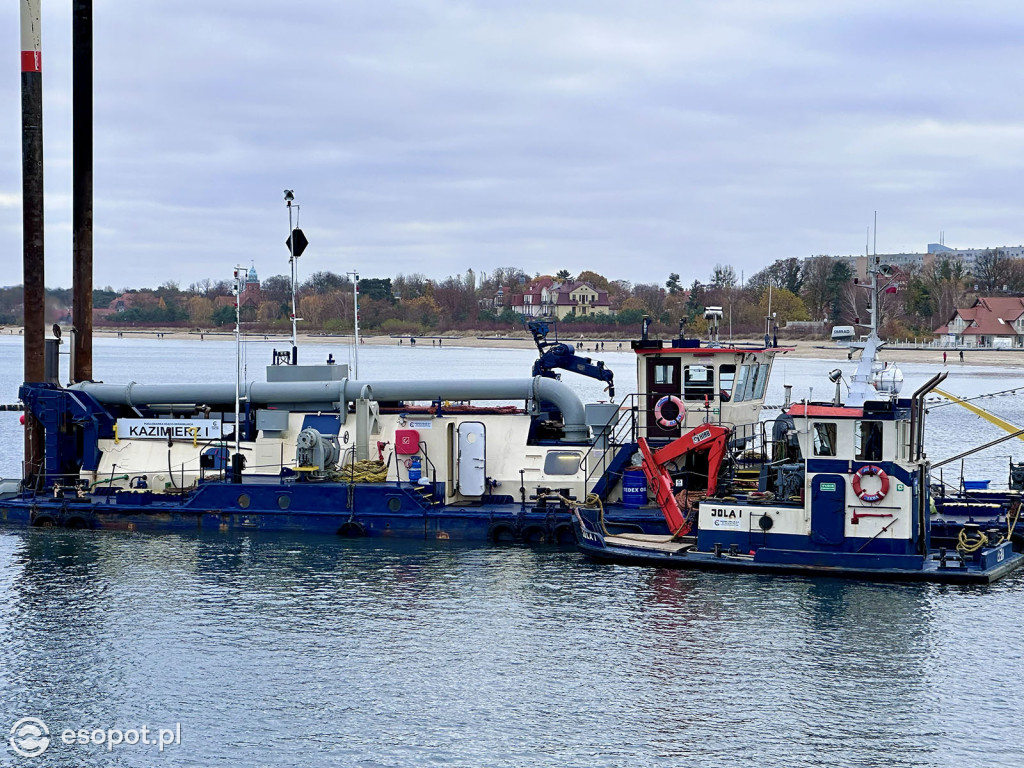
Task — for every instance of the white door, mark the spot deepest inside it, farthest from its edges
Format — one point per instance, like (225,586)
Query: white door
(472,479)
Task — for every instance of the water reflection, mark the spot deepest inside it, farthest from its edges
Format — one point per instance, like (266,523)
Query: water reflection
(288,650)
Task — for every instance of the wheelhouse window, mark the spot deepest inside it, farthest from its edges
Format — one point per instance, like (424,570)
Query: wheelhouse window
(868,440)
(664,374)
(741,383)
(726,379)
(762,380)
(698,382)
(824,438)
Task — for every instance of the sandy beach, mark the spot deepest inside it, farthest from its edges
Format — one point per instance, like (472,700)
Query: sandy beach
(804,348)
(807,348)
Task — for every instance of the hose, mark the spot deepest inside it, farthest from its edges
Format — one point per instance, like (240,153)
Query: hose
(108,480)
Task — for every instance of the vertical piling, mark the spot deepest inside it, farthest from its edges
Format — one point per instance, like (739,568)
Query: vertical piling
(34,290)
(82,186)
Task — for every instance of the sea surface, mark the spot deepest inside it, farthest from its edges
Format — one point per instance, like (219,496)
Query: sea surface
(281,650)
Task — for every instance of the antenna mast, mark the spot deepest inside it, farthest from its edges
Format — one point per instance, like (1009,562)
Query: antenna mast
(355,316)
(289,198)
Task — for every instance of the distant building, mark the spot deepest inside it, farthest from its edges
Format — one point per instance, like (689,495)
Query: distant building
(936,251)
(250,295)
(530,302)
(989,322)
(547,298)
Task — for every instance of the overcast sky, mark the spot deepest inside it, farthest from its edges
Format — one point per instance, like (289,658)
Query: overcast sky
(632,138)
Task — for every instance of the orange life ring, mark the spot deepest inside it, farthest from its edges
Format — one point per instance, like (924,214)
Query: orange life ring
(871,469)
(665,423)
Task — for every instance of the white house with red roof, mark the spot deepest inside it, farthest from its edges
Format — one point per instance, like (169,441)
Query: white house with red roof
(989,322)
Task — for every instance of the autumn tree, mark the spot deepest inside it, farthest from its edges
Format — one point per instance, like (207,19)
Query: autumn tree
(992,271)
(600,282)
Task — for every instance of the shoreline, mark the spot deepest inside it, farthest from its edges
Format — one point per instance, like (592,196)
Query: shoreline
(819,349)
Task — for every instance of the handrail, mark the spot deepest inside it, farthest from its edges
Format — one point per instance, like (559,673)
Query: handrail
(612,437)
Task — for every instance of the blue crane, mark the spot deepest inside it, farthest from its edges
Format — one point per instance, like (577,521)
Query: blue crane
(555,355)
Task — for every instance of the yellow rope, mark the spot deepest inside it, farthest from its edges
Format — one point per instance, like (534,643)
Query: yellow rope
(364,471)
(967,546)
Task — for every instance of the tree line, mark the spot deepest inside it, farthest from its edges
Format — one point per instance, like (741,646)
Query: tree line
(822,288)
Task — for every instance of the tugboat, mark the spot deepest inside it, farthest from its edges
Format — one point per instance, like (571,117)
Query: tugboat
(843,491)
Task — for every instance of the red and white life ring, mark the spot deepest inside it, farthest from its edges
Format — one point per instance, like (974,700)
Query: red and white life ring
(871,469)
(666,423)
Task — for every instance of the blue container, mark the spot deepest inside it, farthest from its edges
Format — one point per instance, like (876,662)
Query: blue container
(976,485)
(415,469)
(634,487)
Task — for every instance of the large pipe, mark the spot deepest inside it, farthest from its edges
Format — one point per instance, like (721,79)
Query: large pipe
(325,393)
(34,287)
(81,195)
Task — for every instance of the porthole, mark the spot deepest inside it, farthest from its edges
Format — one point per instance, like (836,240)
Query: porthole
(284,502)
(243,501)
(394,504)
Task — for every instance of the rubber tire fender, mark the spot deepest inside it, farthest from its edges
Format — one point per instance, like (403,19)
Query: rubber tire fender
(502,532)
(352,530)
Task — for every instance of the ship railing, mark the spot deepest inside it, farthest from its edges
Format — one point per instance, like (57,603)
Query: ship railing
(619,431)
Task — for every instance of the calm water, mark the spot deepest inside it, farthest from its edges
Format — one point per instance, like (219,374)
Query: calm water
(309,651)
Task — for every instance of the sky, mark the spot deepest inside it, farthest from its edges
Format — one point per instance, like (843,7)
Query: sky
(634,139)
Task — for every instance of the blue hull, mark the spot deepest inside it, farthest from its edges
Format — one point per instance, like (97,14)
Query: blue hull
(985,567)
(392,510)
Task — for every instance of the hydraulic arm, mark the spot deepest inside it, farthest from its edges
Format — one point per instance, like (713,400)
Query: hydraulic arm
(709,438)
(556,355)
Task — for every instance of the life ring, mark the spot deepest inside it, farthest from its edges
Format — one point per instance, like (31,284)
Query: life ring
(666,423)
(871,469)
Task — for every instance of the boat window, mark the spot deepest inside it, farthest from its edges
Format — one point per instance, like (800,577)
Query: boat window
(664,374)
(762,380)
(698,382)
(749,388)
(726,378)
(868,440)
(562,462)
(824,438)
(741,382)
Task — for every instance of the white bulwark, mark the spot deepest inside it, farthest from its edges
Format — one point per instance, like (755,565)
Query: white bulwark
(173,429)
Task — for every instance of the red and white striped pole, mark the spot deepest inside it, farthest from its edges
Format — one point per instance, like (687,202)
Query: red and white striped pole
(32,220)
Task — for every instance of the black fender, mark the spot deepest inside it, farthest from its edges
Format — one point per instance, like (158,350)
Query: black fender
(352,530)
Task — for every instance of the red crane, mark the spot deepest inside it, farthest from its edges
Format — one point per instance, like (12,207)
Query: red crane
(709,438)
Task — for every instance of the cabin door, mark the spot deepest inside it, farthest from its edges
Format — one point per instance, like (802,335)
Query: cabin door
(828,510)
(472,477)
(663,380)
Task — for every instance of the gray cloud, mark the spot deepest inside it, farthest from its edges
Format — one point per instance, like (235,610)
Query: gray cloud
(634,139)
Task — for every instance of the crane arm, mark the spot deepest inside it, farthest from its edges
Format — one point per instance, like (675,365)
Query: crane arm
(710,438)
(560,356)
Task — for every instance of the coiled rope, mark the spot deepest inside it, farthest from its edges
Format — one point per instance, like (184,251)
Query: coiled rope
(363,471)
